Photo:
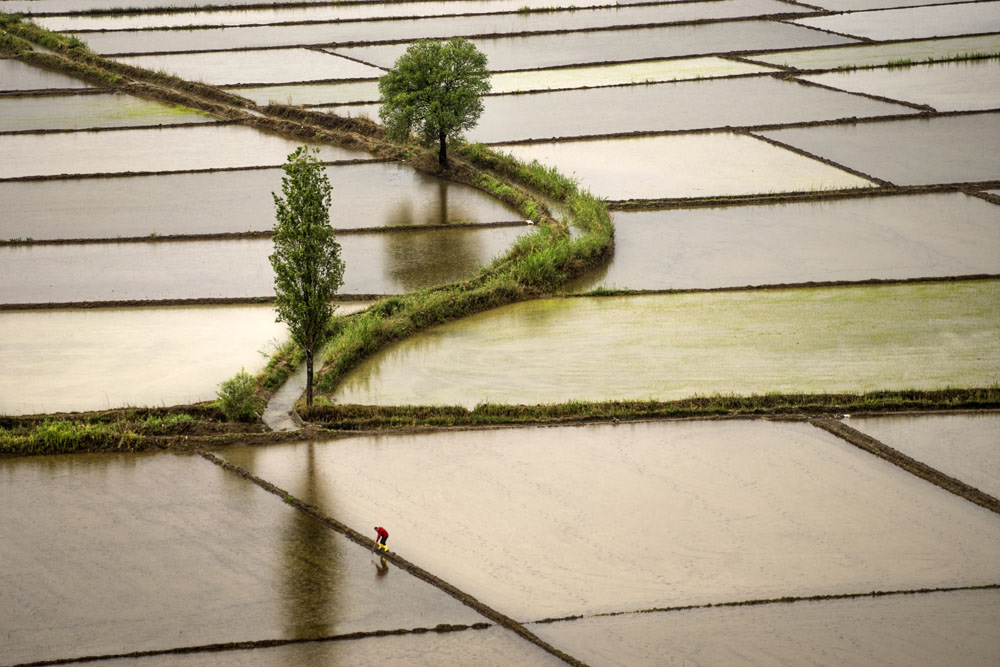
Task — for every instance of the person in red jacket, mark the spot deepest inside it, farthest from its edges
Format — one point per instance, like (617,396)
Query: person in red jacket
(381,535)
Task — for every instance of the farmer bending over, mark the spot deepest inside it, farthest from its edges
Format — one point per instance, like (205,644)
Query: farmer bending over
(381,535)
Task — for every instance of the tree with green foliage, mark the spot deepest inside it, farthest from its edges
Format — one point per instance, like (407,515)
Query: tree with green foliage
(308,269)
(436,89)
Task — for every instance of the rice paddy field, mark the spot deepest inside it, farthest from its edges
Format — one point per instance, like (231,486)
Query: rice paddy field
(806,199)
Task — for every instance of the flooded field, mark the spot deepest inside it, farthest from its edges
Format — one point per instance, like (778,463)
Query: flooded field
(854,239)
(865,55)
(389,263)
(168,550)
(961,86)
(365,195)
(271,66)
(167,149)
(63,360)
(673,346)
(72,112)
(312,93)
(686,166)
(15,75)
(580,48)
(936,21)
(752,507)
(920,630)
(955,149)
(965,447)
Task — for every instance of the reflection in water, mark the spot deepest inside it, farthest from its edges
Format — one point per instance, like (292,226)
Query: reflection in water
(415,261)
(381,568)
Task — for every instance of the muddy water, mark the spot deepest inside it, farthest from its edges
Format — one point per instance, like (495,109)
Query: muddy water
(524,519)
(96,359)
(667,106)
(117,553)
(71,112)
(398,29)
(167,149)
(955,628)
(960,86)
(580,48)
(271,66)
(885,238)
(15,75)
(915,22)
(675,346)
(965,447)
(955,149)
(375,264)
(867,55)
(364,195)
(686,166)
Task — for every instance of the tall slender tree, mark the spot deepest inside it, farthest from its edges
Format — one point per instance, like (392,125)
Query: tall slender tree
(434,88)
(308,269)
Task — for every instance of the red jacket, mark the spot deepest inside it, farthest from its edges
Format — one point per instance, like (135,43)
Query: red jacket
(382,532)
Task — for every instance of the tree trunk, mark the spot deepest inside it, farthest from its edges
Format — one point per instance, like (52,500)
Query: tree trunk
(443,150)
(309,380)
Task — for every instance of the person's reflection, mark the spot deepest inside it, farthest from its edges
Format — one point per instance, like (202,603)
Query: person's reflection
(381,567)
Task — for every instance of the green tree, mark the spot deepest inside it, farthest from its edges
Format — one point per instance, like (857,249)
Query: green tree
(308,270)
(436,89)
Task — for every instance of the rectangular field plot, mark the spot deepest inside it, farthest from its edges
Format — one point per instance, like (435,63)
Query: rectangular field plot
(924,630)
(268,66)
(756,510)
(389,263)
(685,166)
(399,29)
(864,5)
(954,149)
(913,22)
(72,112)
(664,347)
(605,46)
(58,6)
(686,105)
(364,195)
(887,238)
(15,75)
(62,360)
(958,86)
(312,93)
(966,447)
(158,150)
(865,55)
(112,554)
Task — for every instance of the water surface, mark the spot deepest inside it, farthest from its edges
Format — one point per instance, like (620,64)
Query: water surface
(15,75)
(72,112)
(913,22)
(118,553)
(888,238)
(966,447)
(955,149)
(865,55)
(364,195)
(920,336)
(642,515)
(699,165)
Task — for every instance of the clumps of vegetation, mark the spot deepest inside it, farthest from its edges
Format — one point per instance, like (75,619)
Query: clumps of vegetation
(238,398)
(902,63)
(66,436)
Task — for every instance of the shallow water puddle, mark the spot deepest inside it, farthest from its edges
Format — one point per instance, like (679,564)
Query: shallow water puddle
(913,22)
(888,238)
(546,522)
(400,29)
(966,447)
(364,195)
(665,347)
(686,166)
(269,66)
(953,149)
(925,630)
(604,46)
(63,360)
(15,75)
(376,263)
(117,553)
(71,112)
(684,105)
(167,149)
(958,86)
(865,55)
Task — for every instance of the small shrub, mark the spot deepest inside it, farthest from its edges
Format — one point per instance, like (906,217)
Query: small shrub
(238,398)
